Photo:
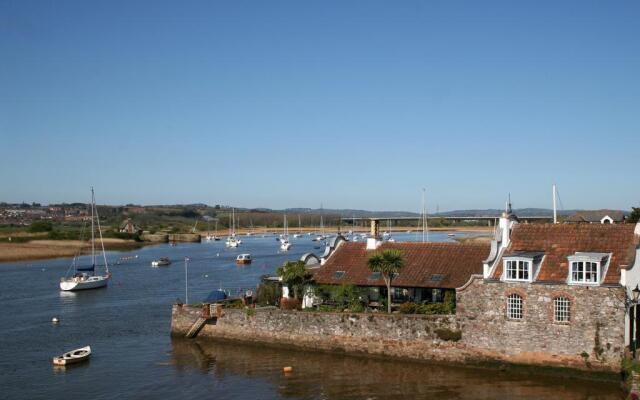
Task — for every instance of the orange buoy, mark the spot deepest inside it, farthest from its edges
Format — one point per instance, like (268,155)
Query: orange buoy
(287,369)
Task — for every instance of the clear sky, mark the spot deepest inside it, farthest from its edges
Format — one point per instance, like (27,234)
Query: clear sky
(355,104)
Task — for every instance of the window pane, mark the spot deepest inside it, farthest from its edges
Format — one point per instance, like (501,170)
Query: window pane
(561,309)
(514,306)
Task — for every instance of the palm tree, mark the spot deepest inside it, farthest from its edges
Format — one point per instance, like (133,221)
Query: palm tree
(388,263)
(295,275)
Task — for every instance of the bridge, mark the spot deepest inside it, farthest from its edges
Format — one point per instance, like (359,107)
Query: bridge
(489,219)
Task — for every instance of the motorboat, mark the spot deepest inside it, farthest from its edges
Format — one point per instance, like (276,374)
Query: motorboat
(161,262)
(73,356)
(243,258)
(86,277)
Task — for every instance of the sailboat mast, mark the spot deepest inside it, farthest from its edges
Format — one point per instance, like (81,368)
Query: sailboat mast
(555,209)
(93,242)
(104,254)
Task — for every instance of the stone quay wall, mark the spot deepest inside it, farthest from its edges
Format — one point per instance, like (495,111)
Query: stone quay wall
(480,332)
(429,338)
(594,338)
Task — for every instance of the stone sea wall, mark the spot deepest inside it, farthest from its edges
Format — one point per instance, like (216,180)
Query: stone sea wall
(434,338)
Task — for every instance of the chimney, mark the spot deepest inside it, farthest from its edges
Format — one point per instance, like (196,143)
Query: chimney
(373,242)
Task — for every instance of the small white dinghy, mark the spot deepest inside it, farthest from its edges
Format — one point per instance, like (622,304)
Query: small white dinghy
(73,356)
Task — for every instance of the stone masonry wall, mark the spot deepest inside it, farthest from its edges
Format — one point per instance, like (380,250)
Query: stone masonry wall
(593,339)
(433,338)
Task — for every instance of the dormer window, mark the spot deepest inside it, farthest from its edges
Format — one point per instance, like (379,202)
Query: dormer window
(521,267)
(584,272)
(518,270)
(587,268)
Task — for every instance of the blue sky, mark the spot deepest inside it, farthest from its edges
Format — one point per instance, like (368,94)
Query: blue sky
(355,104)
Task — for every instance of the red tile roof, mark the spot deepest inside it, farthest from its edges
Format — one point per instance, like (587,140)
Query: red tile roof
(559,241)
(454,262)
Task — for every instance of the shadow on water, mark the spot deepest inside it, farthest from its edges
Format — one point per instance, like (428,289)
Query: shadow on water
(329,376)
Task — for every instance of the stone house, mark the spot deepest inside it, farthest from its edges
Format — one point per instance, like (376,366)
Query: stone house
(554,294)
(431,269)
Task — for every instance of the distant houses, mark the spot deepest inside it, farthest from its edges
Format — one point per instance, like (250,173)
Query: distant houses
(127,226)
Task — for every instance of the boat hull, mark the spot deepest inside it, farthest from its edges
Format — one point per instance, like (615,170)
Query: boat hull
(93,282)
(73,357)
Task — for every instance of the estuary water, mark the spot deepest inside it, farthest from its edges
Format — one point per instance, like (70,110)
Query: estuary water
(127,326)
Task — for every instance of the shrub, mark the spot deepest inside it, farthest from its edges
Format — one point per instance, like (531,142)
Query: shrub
(448,334)
(433,309)
(408,308)
(356,307)
(41,226)
(327,308)
(427,309)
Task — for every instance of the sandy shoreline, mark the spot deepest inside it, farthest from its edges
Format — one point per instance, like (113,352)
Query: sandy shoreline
(46,249)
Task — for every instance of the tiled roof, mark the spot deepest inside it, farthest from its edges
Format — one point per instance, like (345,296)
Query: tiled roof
(596,216)
(430,265)
(559,241)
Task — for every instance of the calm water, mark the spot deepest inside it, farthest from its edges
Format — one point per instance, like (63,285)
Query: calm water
(127,326)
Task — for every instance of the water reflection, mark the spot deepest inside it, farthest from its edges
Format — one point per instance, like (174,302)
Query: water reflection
(328,376)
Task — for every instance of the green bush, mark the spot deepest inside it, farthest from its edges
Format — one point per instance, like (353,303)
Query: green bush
(427,309)
(408,308)
(41,226)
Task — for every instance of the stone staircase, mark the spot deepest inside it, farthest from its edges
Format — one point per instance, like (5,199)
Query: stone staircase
(196,327)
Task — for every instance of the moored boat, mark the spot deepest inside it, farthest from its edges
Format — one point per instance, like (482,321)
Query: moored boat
(73,356)
(161,262)
(85,277)
(284,239)
(243,258)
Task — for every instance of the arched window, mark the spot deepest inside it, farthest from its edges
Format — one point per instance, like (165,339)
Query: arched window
(561,309)
(514,306)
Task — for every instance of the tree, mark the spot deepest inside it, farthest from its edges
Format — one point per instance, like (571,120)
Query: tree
(294,275)
(634,217)
(388,263)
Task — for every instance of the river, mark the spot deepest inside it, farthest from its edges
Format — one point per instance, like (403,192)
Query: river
(127,326)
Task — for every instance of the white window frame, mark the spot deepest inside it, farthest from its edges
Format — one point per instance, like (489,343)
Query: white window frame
(584,260)
(562,309)
(517,261)
(515,307)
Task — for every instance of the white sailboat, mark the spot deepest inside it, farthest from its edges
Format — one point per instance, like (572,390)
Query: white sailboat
(322,236)
(297,235)
(284,241)
(86,277)
(231,240)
